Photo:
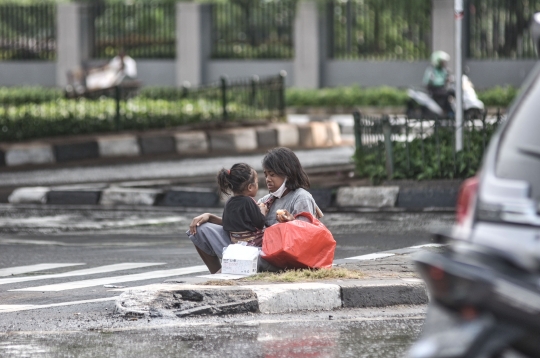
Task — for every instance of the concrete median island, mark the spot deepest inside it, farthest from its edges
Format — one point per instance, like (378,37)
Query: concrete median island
(389,280)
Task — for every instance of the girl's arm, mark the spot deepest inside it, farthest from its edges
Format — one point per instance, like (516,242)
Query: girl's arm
(203,218)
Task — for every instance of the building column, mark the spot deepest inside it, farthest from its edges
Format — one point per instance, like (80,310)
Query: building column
(443,28)
(193,42)
(73,38)
(309,46)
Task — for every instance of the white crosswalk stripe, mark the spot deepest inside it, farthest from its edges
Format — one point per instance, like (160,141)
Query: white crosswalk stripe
(116,279)
(17,270)
(89,271)
(17,308)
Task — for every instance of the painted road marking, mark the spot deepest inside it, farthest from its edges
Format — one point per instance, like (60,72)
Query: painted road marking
(370,256)
(426,245)
(30,242)
(90,271)
(17,270)
(117,279)
(380,255)
(17,308)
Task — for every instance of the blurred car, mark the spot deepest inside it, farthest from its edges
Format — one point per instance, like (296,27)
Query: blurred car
(499,208)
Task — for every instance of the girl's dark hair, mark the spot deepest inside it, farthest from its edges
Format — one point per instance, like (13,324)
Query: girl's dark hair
(283,162)
(235,180)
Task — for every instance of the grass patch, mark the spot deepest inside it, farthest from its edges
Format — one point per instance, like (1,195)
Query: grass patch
(218,283)
(306,275)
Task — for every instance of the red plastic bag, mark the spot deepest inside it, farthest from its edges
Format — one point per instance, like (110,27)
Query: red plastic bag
(299,244)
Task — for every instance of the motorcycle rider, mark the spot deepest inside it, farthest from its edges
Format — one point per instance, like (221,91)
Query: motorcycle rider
(436,79)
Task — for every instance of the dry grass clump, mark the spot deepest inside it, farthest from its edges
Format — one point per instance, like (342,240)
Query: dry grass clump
(306,275)
(218,283)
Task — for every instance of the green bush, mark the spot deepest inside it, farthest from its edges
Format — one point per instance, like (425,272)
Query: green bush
(67,117)
(22,95)
(498,96)
(349,96)
(354,96)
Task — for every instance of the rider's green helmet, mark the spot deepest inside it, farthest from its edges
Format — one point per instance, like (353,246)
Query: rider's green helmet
(438,56)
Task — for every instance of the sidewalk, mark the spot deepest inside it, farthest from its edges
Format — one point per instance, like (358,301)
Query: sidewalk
(389,280)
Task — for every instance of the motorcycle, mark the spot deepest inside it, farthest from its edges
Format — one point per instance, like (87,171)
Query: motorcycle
(422,105)
(483,304)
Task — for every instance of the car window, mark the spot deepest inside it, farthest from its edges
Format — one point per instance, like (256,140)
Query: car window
(519,149)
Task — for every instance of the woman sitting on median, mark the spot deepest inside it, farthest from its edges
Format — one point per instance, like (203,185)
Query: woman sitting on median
(287,182)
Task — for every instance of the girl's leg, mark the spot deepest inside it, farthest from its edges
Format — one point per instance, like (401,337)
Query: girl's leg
(209,241)
(212,262)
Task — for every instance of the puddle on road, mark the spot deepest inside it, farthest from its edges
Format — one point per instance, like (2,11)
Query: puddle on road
(389,338)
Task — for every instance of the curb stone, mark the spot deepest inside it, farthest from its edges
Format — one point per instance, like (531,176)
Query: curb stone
(377,198)
(183,300)
(229,140)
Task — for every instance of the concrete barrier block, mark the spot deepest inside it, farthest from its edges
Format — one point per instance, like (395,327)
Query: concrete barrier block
(29,154)
(76,151)
(314,134)
(118,146)
(233,140)
(323,197)
(193,142)
(129,196)
(383,293)
(190,197)
(281,298)
(267,137)
(367,196)
(29,195)
(287,135)
(333,133)
(161,144)
(428,197)
(74,195)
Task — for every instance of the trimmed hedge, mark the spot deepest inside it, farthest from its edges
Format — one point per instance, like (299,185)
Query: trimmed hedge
(355,96)
(67,117)
(346,96)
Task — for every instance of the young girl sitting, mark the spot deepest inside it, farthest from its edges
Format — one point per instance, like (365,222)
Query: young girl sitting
(287,183)
(242,218)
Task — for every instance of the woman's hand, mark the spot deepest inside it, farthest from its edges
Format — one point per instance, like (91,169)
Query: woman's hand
(197,221)
(284,216)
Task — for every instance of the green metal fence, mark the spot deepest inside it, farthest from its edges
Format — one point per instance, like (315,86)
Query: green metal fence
(404,148)
(34,113)
(379,29)
(28,32)
(253,29)
(143,30)
(500,28)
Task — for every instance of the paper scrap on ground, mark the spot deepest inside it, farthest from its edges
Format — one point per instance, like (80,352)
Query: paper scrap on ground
(224,276)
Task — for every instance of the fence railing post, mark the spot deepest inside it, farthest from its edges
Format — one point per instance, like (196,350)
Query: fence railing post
(224,113)
(117,98)
(253,95)
(387,132)
(282,105)
(357,130)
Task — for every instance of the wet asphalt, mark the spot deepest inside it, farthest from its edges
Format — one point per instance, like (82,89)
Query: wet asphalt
(96,237)
(375,333)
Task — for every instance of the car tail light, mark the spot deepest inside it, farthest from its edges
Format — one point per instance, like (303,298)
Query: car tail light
(467,191)
(452,290)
